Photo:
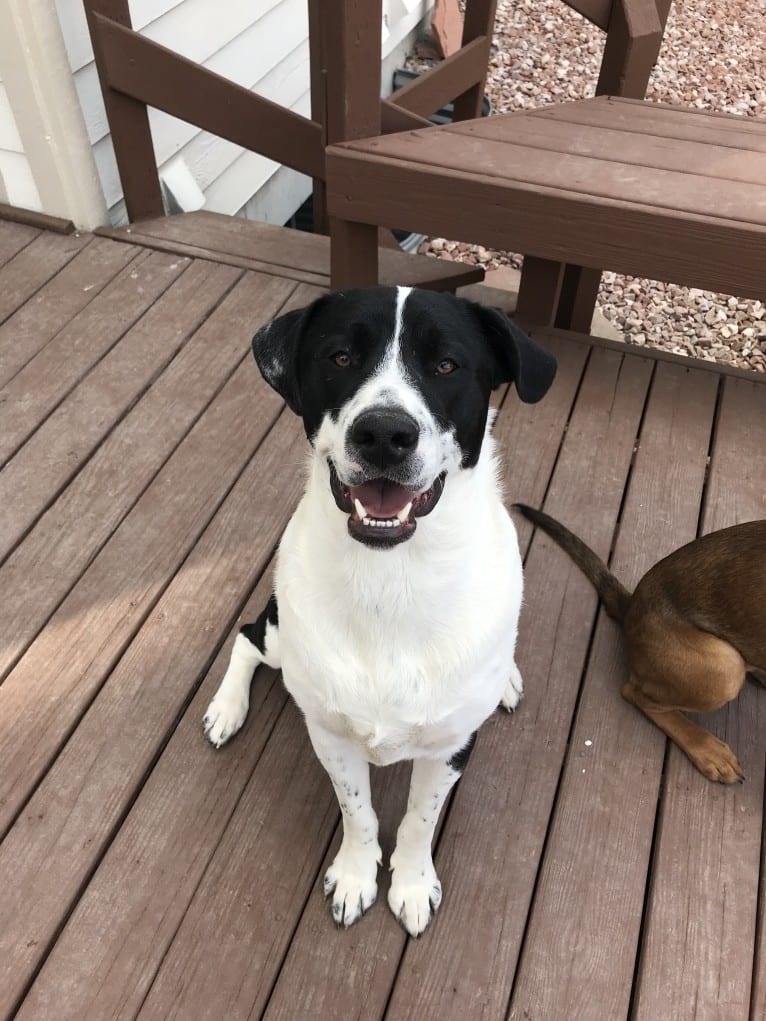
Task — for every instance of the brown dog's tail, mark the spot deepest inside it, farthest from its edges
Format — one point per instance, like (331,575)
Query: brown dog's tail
(614,596)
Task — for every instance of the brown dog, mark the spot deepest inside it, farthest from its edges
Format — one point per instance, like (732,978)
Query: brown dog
(695,625)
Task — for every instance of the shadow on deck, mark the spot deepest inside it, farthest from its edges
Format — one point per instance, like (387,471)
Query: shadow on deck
(148,472)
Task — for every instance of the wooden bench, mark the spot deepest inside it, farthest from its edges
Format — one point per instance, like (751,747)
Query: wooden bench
(641,188)
(637,187)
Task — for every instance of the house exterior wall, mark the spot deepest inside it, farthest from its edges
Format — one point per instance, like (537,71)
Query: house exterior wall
(260,44)
(17,183)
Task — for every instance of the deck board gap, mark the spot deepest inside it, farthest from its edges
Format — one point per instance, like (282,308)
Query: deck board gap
(631,466)
(553,808)
(713,438)
(133,634)
(79,466)
(648,888)
(753,1014)
(117,524)
(157,753)
(62,396)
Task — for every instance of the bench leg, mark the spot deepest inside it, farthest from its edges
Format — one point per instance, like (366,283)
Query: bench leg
(353,254)
(578,298)
(540,290)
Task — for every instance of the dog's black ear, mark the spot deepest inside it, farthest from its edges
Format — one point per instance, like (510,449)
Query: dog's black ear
(275,347)
(517,357)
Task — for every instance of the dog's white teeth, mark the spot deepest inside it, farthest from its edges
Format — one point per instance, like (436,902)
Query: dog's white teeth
(367,521)
(360,510)
(404,513)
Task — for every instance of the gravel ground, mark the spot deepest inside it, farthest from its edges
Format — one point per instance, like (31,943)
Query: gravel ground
(713,57)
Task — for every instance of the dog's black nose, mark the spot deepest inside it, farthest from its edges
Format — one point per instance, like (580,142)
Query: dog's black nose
(384,436)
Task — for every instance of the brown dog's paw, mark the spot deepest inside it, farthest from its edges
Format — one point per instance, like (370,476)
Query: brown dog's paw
(715,760)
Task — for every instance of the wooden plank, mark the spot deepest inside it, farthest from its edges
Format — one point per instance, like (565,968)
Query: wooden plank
(72,816)
(581,938)
(33,266)
(702,905)
(444,81)
(323,976)
(677,113)
(723,256)
(134,235)
(71,290)
(240,899)
(495,149)
(51,374)
(478,20)
(633,41)
(69,535)
(152,74)
(492,866)
(599,143)
(106,608)
(128,913)
(31,218)
(280,250)
(128,118)
(657,122)
(597,11)
(14,237)
(56,452)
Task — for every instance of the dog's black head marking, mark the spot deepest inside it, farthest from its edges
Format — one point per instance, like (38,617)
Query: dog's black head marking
(393,388)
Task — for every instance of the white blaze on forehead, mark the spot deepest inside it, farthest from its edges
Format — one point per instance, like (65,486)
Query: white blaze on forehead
(391,375)
(391,385)
(402,294)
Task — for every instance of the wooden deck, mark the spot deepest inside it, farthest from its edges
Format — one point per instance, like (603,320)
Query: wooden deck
(588,871)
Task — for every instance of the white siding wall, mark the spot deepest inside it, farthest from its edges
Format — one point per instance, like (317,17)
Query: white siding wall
(17,183)
(260,44)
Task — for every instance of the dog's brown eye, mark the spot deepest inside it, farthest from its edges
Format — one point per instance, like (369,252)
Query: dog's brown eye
(342,359)
(445,366)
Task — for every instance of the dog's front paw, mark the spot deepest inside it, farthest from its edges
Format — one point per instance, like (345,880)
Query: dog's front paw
(225,715)
(414,896)
(352,881)
(514,690)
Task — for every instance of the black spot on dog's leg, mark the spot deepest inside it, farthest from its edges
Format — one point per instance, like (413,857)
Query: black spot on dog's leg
(256,633)
(459,760)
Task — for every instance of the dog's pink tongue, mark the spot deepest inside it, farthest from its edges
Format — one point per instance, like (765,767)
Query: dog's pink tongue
(381,498)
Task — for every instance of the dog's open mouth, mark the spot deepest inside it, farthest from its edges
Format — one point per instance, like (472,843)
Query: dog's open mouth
(381,512)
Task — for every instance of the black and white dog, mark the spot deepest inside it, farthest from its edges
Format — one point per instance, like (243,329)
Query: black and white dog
(398,581)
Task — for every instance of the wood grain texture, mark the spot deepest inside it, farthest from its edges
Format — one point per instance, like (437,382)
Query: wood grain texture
(32,266)
(581,940)
(70,534)
(692,158)
(58,449)
(49,311)
(50,375)
(702,908)
(62,832)
(723,255)
(100,616)
(31,218)
(495,149)
(661,121)
(14,237)
(488,868)
(291,253)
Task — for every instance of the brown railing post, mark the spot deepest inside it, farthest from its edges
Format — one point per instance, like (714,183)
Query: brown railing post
(318,65)
(128,124)
(479,21)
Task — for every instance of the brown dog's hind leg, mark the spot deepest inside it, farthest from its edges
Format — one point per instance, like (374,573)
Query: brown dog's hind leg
(696,672)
